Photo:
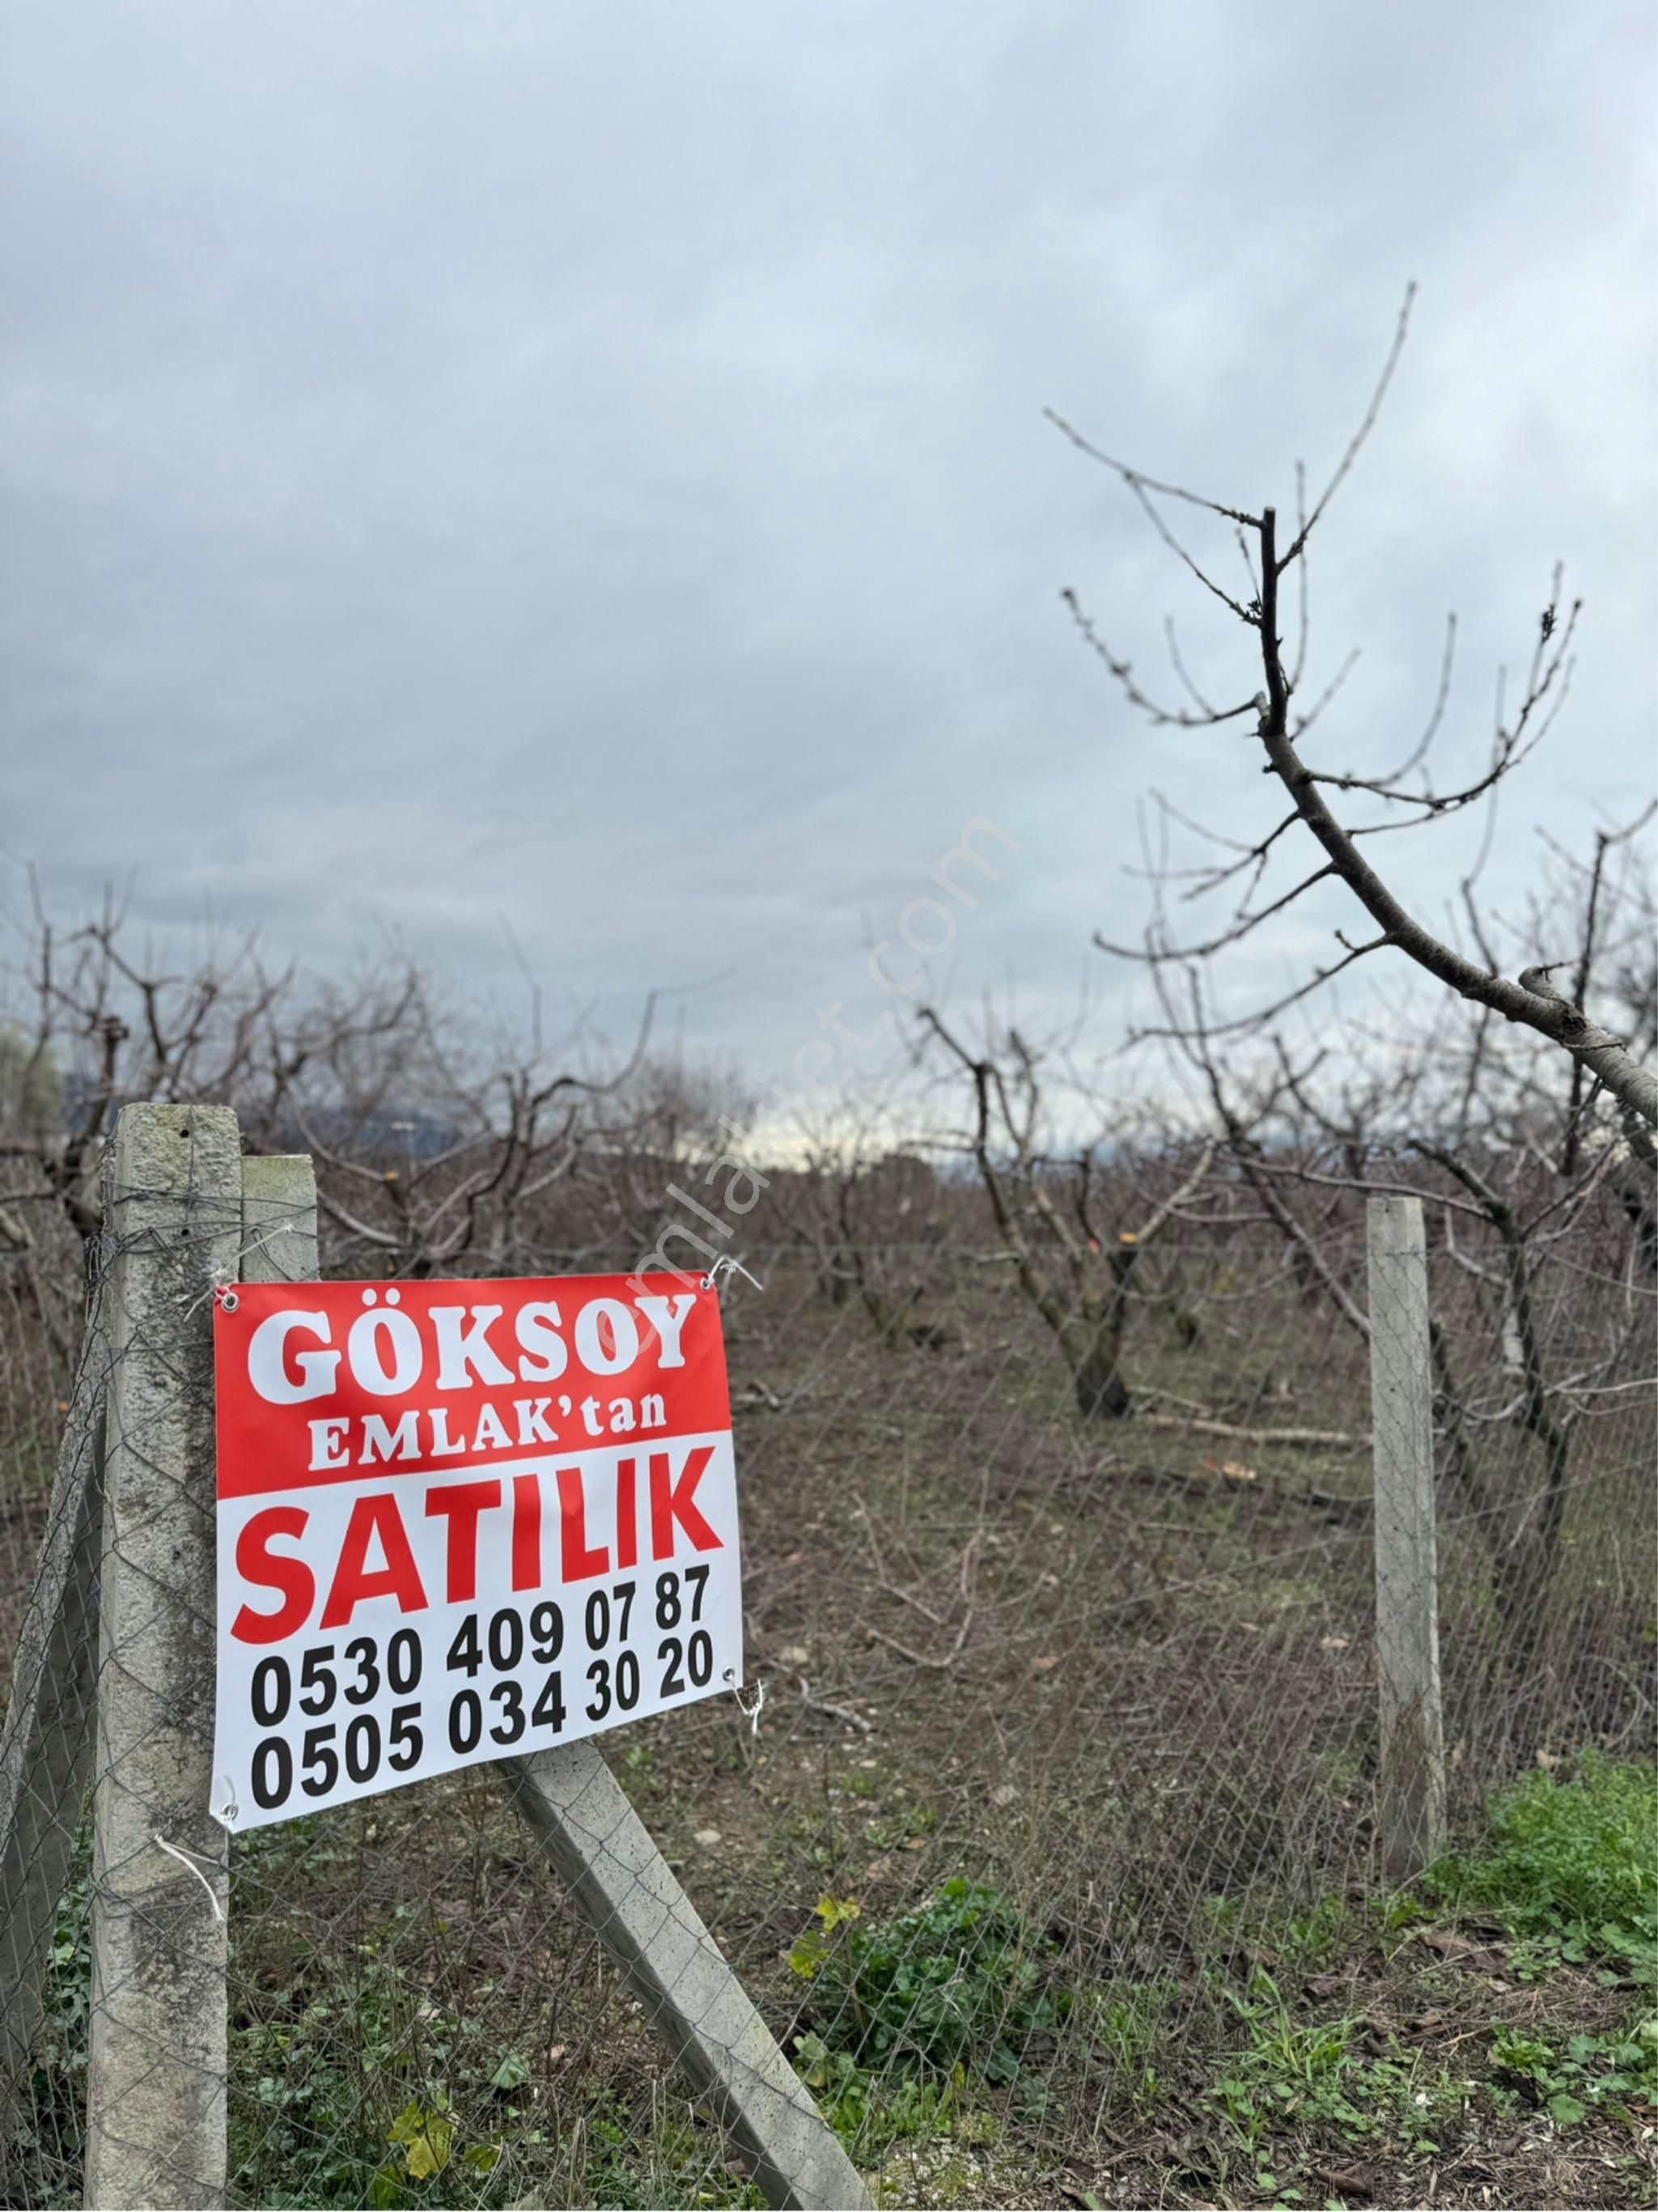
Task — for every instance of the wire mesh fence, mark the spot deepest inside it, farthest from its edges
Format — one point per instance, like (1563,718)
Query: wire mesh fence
(1069,1757)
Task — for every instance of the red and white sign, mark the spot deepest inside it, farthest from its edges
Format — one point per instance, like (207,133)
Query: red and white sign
(460,1521)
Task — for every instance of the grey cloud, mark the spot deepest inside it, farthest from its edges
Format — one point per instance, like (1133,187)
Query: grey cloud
(586,466)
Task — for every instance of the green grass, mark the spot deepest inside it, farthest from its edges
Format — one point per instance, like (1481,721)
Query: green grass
(1570,1867)
(634,2165)
(1131,2027)
(1282,1934)
(1291,2073)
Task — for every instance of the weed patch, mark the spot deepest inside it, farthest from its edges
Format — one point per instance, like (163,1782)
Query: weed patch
(1603,2072)
(1131,2027)
(962,1983)
(1287,2073)
(631,2168)
(1572,1867)
(372,2095)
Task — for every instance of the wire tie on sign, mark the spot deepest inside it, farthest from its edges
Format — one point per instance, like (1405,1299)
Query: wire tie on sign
(223,1293)
(186,1858)
(724,1268)
(230,1812)
(752,1712)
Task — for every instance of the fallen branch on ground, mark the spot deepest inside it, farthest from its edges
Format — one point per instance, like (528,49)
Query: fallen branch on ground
(1297,1439)
(1326,1502)
(919,1658)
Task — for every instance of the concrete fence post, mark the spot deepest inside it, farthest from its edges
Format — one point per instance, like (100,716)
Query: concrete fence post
(156,2060)
(1412,1779)
(279,1218)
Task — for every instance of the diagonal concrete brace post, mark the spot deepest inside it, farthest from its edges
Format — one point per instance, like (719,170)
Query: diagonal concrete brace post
(601,1851)
(46,1751)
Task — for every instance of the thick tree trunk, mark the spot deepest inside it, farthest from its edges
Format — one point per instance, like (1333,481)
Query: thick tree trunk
(1095,1353)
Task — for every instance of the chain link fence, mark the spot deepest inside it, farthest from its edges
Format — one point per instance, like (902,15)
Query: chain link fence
(1070,1733)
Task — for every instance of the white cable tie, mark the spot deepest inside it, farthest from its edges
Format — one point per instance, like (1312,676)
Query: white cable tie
(752,1713)
(186,1858)
(724,1268)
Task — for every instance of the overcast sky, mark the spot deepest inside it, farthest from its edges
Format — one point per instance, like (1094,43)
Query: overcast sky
(580,468)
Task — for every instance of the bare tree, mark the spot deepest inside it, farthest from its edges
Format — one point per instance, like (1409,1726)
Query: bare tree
(1341,810)
(98,1021)
(437,1149)
(462,1172)
(1081,1277)
(867,1213)
(1529,1185)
